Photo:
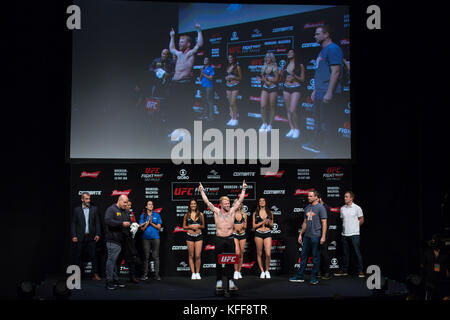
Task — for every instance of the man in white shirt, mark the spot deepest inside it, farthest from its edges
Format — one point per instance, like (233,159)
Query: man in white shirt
(352,218)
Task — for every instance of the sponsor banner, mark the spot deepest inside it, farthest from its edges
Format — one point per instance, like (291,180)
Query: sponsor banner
(256,48)
(120,174)
(86,174)
(153,174)
(185,191)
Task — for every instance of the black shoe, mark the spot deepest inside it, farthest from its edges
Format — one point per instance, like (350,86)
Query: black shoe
(119,284)
(326,276)
(110,286)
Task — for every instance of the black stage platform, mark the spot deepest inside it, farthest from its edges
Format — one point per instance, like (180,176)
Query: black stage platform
(250,288)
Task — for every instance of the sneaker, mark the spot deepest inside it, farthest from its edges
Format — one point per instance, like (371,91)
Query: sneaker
(143,278)
(232,285)
(263,275)
(267,275)
(229,122)
(361,275)
(119,284)
(263,127)
(157,278)
(194,276)
(232,123)
(110,286)
(268,128)
(341,273)
(236,275)
(314,282)
(198,276)
(219,284)
(240,275)
(296,279)
(295,134)
(289,134)
(326,276)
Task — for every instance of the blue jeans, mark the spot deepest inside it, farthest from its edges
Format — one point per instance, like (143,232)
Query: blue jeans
(308,243)
(111,263)
(355,241)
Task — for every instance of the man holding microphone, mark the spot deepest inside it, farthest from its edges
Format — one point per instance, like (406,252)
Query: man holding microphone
(314,228)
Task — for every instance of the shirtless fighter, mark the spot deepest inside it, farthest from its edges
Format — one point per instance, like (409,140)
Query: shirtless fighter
(182,83)
(224,220)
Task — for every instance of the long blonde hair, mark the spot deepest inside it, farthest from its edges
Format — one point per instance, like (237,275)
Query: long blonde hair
(272,58)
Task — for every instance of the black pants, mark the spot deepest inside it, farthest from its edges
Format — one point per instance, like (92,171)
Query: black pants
(224,245)
(324,259)
(179,106)
(130,254)
(86,246)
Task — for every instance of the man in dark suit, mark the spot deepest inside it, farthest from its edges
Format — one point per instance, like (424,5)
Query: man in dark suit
(86,232)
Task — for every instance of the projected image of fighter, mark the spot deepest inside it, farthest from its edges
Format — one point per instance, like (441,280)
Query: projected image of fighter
(182,86)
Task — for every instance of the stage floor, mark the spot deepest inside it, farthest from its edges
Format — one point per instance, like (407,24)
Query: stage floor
(250,287)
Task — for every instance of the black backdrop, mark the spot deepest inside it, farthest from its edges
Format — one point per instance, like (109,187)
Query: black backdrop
(399,174)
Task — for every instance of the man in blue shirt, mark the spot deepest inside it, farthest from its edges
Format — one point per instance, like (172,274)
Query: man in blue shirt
(326,96)
(206,77)
(150,223)
(314,228)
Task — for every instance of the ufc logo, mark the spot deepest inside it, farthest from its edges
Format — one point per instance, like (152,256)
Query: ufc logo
(228,259)
(334,170)
(183,191)
(152,170)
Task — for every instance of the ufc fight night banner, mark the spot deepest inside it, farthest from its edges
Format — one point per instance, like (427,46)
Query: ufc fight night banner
(171,187)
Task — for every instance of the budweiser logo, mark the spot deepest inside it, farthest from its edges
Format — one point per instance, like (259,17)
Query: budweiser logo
(119,193)
(335,209)
(278,174)
(85,174)
(300,191)
(209,247)
(178,229)
(248,265)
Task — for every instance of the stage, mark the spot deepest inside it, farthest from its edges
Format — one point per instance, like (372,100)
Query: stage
(250,288)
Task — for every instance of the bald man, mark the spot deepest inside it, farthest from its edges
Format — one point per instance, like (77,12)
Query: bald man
(116,218)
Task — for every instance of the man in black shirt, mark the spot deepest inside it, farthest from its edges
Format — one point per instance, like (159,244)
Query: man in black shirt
(117,218)
(162,70)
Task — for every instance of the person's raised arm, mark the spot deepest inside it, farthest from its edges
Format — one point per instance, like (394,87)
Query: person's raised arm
(241,196)
(206,201)
(199,39)
(172,43)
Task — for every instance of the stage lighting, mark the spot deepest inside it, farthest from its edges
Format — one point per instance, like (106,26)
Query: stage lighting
(60,290)
(26,290)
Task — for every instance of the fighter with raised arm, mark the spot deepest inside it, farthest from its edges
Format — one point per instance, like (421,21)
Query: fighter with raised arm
(224,220)
(182,83)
